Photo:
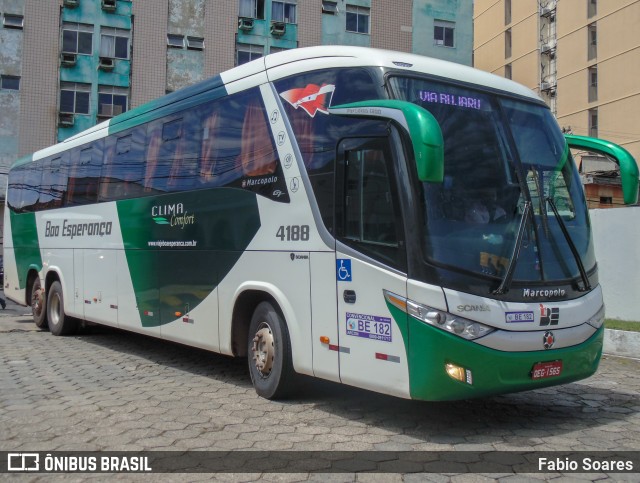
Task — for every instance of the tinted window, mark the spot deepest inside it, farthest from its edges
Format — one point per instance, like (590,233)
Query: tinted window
(84,174)
(123,165)
(317,133)
(54,182)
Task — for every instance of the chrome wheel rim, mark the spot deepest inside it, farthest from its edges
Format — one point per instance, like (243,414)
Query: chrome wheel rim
(54,309)
(263,349)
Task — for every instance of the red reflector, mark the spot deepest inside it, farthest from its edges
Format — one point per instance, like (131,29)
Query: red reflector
(383,357)
(333,347)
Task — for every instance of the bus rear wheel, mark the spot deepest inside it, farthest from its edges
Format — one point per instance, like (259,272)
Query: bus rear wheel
(269,353)
(59,322)
(38,304)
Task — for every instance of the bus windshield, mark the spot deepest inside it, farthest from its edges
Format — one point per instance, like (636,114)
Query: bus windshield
(500,153)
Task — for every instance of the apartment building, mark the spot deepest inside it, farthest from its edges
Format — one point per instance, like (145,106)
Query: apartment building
(582,57)
(66,65)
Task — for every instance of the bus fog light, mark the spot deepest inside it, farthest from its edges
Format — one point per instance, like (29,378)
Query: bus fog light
(458,373)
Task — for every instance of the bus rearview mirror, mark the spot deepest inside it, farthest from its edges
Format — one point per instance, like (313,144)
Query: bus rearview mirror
(619,155)
(420,125)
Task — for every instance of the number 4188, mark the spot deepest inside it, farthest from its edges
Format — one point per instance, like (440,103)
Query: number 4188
(293,233)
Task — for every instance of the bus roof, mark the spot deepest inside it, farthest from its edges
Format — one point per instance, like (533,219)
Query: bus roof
(290,62)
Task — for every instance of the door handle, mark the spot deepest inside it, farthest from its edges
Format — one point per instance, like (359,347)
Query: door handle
(349,296)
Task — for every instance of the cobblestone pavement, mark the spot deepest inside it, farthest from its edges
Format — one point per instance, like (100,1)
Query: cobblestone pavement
(105,389)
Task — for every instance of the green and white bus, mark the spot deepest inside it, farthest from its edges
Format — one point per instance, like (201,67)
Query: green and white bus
(385,220)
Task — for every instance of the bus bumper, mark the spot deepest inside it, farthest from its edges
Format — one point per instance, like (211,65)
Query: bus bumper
(491,371)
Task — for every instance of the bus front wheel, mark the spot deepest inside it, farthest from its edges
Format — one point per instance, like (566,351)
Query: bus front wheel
(59,322)
(38,304)
(269,353)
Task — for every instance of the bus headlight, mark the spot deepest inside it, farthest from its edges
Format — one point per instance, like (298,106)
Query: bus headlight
(598,319)
(455,324)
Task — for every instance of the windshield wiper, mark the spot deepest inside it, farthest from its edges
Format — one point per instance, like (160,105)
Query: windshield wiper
(572,246)
(506,281)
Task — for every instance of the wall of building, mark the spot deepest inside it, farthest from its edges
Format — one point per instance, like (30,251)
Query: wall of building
(10,64)
(392,25)
(334,26)
(426,12)
(617,260)
(39,82)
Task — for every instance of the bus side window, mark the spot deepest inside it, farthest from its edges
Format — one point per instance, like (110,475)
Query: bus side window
(184,167)
(31,186)
(122,165)
(209,146)
(54,183)
(367,206)
(258,156)
(84,175)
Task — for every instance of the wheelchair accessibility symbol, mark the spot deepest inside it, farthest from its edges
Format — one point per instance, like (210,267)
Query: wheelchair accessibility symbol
(343,270)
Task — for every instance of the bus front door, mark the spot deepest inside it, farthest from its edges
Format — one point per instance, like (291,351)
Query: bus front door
(370,258)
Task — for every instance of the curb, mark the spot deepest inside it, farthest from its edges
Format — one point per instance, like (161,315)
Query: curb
(621,343)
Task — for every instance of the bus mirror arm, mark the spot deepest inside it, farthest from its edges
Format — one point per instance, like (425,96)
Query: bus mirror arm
(422,128)
(619,155)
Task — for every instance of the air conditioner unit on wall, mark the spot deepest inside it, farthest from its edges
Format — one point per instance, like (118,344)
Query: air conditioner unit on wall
(65,119)
(68,60)
(109,5)
(278,28)
(71,3)
(107,63)
(245,23)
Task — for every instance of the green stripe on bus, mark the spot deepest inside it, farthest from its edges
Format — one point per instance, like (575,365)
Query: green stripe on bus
(180,246)
(24,233)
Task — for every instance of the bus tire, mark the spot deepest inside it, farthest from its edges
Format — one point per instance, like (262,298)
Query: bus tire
(38,304)
(269,353)
(59,322)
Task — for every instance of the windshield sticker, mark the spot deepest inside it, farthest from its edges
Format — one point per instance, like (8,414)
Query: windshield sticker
(514,317)
(450,99)
(369,327)
(312,98)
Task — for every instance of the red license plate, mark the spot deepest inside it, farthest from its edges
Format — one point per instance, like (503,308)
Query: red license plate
(543,370)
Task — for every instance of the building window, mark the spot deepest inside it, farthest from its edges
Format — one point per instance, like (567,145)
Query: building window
(248,52)
(175,41)
(77,38)
(507,43)
(13,21)
(195,43)
(593,123)
(274,50)
(606,200)
(114,43)
(443,33)
(10,82)
(593,83)
(593,42)
(330,8)
(507,12)
(592,8)
(74,98)
(251,9)
(508,74)
(112,100)
(358,19)
(283,11)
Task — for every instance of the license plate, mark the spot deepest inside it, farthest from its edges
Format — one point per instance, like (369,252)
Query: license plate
(543,370)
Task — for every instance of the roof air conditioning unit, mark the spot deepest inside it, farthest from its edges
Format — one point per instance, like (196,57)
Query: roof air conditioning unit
(278,28)
(107,63)
(245,23)
(71,3)
(65,120)
(68,60)
(109,5)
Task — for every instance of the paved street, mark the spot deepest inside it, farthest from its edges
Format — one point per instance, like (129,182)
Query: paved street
(105,389)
